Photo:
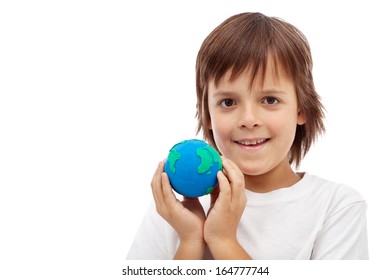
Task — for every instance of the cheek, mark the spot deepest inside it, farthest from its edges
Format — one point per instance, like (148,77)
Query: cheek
(285,129)
(220,127)
(221,131)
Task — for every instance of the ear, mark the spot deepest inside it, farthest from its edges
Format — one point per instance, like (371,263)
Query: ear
(301,119)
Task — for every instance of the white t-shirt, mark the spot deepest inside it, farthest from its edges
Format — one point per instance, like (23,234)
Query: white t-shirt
(313,219)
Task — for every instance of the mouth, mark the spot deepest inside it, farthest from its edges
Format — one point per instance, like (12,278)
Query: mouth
(252,143)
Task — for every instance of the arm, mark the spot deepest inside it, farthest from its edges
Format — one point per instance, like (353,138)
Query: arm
(225,213)
(190,251)
(228,250)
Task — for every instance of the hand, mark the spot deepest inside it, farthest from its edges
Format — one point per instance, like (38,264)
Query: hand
(186,217)
(227,203)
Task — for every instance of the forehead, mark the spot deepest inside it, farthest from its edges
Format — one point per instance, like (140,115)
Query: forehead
(257,76)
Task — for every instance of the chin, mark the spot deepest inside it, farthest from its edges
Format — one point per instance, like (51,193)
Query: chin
(252,170)
(253,173)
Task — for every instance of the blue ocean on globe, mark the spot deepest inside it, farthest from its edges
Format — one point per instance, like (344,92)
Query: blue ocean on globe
(192,167)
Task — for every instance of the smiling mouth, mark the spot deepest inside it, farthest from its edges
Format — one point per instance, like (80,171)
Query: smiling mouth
(252,142)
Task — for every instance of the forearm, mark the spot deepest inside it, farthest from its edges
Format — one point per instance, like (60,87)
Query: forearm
(228,250)
(190,251)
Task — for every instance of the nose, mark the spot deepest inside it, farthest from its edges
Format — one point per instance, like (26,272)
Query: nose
(250,117)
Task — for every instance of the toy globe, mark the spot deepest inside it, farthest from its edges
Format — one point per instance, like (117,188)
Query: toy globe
(192,167)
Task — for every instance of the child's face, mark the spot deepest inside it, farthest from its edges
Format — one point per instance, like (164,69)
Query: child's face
(254,126)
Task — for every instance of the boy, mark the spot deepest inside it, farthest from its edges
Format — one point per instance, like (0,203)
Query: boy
(256,104)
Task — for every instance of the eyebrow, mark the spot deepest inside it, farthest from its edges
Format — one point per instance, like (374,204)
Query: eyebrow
(272,90)
(262,92)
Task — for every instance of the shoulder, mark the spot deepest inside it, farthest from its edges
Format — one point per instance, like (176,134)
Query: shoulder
(338,190)
(336,195)
(342,231)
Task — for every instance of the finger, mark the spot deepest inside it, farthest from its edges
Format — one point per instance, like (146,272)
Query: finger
(169,196)
(156,176)
(233,173)
(156,185)
(235,177)
(224,187)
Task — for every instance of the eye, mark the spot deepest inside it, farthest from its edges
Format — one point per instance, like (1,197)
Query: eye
(269,100)
(226,103)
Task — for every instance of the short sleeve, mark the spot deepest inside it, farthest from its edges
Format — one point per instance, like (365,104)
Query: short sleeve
(155,240)
(344,234)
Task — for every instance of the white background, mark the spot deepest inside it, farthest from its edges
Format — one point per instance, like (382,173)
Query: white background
(89,94)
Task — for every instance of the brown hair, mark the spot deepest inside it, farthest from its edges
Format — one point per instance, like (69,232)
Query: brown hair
(245,41)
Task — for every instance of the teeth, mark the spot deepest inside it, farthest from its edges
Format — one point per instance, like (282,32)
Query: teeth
(251,142)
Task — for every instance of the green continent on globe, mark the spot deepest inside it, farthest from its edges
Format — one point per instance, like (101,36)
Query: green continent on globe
(216,157)
(173,157)
(207,156)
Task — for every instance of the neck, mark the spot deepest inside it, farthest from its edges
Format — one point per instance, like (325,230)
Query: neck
(282,176)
